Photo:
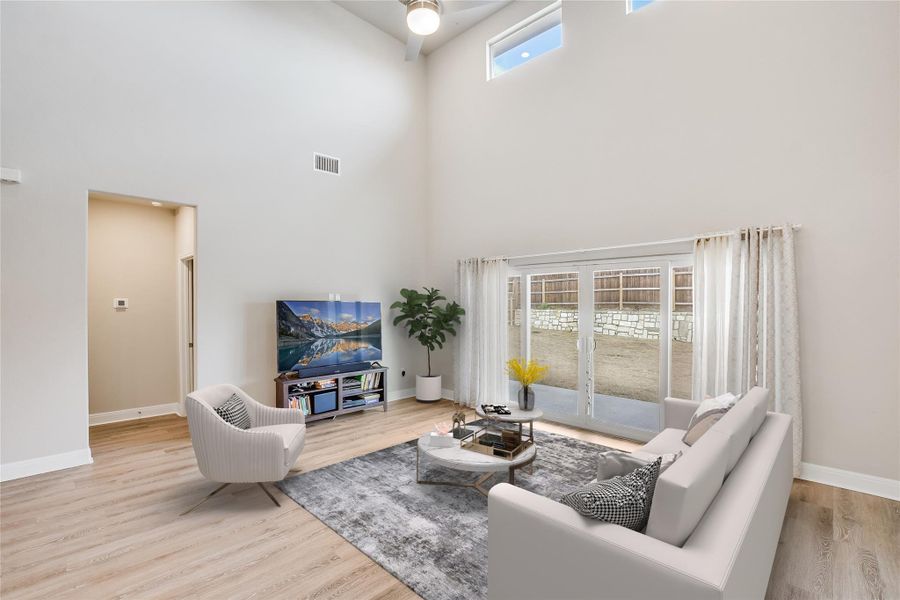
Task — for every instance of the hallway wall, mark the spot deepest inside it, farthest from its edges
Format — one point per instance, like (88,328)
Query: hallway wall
(132,353)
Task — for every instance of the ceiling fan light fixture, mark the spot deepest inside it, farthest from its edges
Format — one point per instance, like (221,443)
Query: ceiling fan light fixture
(423,16)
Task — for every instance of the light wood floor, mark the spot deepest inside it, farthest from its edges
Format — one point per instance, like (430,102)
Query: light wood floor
(111,529)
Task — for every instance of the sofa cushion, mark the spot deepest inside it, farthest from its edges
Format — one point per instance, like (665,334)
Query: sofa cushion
(292,435)
(741,423)
(687,488)
(666,442)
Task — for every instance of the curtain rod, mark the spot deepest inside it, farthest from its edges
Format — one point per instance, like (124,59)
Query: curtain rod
(639,245)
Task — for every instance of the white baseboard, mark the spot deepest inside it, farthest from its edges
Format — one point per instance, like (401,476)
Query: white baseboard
(130,414)
(395,395)
(850,480)
(411,393)
(45,464)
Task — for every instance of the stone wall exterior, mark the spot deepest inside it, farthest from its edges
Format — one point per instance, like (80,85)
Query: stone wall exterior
(641,324)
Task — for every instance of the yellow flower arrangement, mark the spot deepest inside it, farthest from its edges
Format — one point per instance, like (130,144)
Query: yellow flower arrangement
(526,372)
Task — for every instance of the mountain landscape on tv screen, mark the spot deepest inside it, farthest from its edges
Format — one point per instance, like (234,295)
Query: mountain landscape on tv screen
(321,333)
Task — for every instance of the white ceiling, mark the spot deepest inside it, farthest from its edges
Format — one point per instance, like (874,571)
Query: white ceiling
(456,16)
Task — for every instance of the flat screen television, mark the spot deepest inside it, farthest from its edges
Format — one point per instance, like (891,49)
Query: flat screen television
(320,333)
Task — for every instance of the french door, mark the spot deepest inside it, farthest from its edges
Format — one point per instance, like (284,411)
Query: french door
(605,332)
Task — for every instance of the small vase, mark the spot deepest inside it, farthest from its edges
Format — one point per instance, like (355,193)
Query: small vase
(526,398)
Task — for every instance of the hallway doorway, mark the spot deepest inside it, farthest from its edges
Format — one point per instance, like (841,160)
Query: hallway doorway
(141,306)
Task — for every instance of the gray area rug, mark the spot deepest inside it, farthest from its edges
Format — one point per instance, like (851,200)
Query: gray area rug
(431,537)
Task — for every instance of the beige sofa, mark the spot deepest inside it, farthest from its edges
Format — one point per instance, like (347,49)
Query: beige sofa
(713,529)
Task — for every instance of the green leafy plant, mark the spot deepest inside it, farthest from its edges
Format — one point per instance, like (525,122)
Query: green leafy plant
(426,319)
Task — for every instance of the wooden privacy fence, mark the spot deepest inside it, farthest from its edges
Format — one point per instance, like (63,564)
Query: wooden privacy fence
(616,289)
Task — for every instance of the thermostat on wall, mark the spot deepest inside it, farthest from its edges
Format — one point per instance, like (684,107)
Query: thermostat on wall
(120,303)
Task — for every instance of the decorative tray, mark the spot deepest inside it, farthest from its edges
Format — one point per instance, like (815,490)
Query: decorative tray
(495,441)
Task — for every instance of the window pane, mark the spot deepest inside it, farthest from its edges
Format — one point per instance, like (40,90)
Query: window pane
(633,5)
(554,340)
(528,50)
(682,331)
(626,332)
(514,317)
(532,37)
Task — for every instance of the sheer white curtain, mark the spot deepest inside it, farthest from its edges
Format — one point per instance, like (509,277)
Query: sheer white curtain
(481,343)
(746,329)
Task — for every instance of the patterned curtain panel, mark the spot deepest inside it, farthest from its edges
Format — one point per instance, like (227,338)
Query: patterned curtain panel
(746,319)
(481,345)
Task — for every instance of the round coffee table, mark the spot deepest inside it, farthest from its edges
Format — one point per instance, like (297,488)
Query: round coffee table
(454,457)
(517,415)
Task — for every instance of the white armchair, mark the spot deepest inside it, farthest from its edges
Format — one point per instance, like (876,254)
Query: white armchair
(228,454)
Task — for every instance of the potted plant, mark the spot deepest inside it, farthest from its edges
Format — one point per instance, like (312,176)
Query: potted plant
(527,373)
(429,322)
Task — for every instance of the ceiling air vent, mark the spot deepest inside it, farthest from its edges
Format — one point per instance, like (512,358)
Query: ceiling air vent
(326,164)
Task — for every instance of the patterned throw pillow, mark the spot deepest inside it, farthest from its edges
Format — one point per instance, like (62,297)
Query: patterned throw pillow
(233,411)
(623,500)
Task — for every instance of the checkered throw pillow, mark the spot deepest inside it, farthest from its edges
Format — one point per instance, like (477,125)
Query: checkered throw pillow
(233,411)
(623,500)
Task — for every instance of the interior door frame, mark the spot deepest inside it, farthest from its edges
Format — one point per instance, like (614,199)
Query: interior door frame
(585,340)
(187,327)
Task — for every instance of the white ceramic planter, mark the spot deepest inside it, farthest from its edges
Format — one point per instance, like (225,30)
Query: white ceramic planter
(428,389)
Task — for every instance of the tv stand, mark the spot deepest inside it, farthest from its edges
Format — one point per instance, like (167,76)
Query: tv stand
(335,394)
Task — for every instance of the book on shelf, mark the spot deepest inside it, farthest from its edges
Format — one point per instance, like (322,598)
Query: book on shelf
(325,384)
(370,381)
(300,403)
(371,398)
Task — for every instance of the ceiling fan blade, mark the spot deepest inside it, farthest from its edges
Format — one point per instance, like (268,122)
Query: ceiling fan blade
(413,46)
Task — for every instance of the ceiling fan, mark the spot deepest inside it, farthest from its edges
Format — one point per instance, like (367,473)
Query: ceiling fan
(423,17)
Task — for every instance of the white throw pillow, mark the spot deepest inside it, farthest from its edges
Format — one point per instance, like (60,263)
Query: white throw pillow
(667,459)
(615,463)
(702,425)
(726,401)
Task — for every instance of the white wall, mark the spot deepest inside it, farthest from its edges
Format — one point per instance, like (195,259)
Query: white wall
(219,105)
(185,231)
(692,117)
(132,353)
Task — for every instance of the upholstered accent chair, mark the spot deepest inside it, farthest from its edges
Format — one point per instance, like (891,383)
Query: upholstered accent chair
(227,454)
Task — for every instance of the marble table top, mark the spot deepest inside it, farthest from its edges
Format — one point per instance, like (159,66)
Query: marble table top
(455,457)
(518,415)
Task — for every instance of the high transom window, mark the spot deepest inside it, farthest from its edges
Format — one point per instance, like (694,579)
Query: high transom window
(633,5)
(522,43)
